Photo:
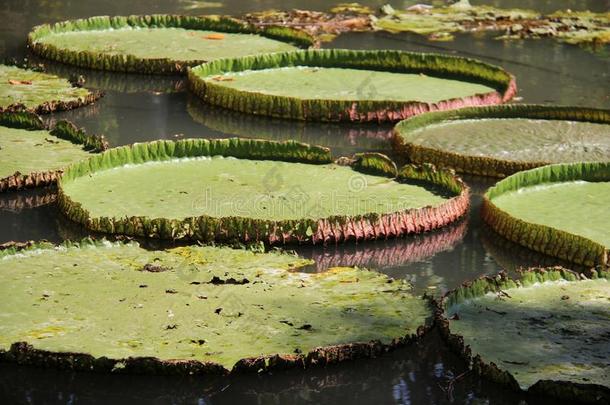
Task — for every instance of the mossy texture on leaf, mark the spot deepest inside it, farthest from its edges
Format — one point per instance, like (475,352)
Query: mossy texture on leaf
(322,88)
(560,210)
(194,310)
(254,190)
(440,22)
(545,333)
(33,155)
(160,44)
(501,140)
(28,90)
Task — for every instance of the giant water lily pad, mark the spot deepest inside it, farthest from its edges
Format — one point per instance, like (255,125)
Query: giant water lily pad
(157,43)
(241,189)
(546,333)
(24,89)
(346,85)
(32,155)
(501,140)
(194,310)
(560,210)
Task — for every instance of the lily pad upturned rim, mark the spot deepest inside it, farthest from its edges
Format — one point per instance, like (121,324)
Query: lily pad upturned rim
(542,238)
(336,228)
(485,165)
(562,390)
(130,63)
(62,129)
(24,353)
(349,110)
(54,105)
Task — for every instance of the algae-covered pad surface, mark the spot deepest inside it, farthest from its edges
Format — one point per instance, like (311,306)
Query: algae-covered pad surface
(165,43)
(516,139)
(579,207)
(35,88)
(556,330)
(348,84)
(261,189)
(35,151)
(194,303)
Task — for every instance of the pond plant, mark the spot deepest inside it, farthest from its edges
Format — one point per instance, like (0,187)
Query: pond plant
(545,333)
(443,22)
(501,140)
(349,85)
(33,155)
(256,190)
(157,44)
(30,90)
(560,210)
(194,310)
(230,304)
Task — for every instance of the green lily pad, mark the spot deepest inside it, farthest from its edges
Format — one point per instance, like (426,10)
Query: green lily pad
(345,85)
(547,333)
(459,17)
(277,192)
(560,210)
(501,140)
(32,155)
(194,310)
(157,43)
(24,89)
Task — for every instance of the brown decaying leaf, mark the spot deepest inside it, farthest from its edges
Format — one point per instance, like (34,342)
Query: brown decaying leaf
(215,37)
(15,82)
(223,79)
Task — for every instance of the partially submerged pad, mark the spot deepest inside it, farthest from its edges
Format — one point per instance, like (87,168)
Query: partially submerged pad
(502,140)
(157,43)
(205,310)
(347,85)
(32,155)
(546,333)
(560,210)
(24,89)
(256,190)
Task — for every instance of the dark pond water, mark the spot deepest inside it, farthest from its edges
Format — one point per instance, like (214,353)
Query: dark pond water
(140,108)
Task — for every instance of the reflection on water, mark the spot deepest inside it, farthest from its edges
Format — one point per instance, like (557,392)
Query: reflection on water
(407,258)
(113,81)
(29,215)
(140,108)
(512,257)
(343,139)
